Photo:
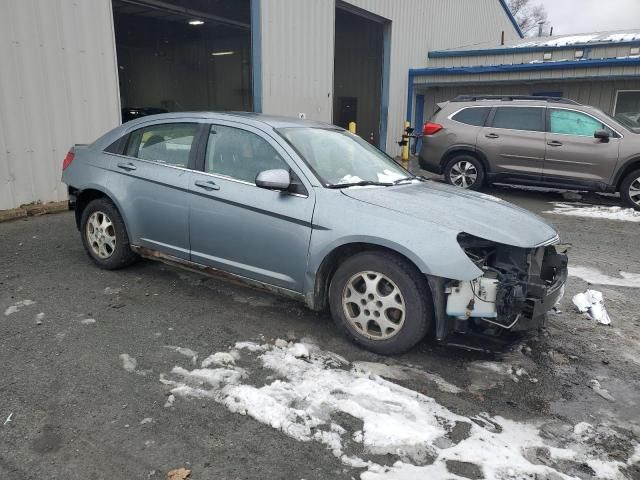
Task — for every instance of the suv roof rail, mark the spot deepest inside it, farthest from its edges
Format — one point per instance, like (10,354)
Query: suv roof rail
(510,98)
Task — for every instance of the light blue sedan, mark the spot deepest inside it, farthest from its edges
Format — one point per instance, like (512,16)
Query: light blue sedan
(309,210)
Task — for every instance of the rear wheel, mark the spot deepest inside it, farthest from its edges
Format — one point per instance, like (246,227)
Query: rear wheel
(630,190)
(104,235)
(465,171)
(381,302)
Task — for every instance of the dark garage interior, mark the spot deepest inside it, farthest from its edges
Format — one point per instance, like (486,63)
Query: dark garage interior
(358,65)
(183,55)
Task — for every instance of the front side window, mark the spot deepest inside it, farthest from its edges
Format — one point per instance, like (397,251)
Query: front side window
(240,154)
(519,118)
(340,158)
(476,116)
(570,122)
(168,143)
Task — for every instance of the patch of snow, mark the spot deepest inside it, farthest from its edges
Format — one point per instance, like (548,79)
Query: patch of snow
(401,372)
(220,358)
(299,350)
(596,277)
(596,211)
(128,362)
(309,394)
(251,346)
(16,307)
(146,420)
(88,321)
(187,352)
(170,400)
(388,176)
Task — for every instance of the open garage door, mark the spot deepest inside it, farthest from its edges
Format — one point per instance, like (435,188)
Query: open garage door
(183,55)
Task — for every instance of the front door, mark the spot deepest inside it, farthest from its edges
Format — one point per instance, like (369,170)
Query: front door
(514,141)
(152,185)
(574,154)
(243,229)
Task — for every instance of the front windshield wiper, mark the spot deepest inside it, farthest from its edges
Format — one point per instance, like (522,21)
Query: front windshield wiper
(405,179)
(361,183)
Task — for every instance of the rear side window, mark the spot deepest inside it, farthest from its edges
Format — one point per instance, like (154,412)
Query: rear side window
(476,116)
(168,143)
(519,118)
(570,122)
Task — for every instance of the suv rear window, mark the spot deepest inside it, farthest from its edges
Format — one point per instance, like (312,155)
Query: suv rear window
(475,116)
(519,118)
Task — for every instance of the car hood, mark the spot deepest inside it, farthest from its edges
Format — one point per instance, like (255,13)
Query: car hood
(461,210)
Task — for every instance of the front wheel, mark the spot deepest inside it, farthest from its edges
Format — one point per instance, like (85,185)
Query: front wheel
(465,171)
(630,190)
(381,302)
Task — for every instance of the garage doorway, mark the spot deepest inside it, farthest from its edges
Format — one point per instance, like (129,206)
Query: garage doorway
(183,55)
(359,84)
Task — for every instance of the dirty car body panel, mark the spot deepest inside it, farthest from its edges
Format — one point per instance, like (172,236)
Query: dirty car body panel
(283,240)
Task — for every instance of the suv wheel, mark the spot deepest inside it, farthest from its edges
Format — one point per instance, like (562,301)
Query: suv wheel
(464,171)
(104,236)
(381,302)
(630,190)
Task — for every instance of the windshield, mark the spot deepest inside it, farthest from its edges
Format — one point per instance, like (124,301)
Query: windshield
(340,158)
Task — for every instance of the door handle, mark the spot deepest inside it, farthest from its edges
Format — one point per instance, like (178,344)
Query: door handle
(208,186)
(127,166)
(492,135)
(554,143)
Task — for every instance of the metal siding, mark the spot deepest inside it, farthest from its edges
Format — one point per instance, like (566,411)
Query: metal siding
(298,43)
(58,87)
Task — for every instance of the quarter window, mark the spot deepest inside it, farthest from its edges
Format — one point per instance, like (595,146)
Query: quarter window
(240,154)
(519,118)
(570,122)
(168,143)
(472,116)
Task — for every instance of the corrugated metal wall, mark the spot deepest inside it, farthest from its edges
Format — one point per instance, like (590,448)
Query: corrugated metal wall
(298,42)
(58,86)
(600,94)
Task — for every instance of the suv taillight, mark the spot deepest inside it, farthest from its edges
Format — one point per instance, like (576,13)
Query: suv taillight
(67,160)
(431,128)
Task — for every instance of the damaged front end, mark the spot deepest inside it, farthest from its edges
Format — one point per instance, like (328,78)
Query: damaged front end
(518,287)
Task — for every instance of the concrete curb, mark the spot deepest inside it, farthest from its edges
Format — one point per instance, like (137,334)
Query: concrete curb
(33,210)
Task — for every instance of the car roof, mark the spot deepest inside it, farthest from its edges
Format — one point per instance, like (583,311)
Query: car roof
(249,118)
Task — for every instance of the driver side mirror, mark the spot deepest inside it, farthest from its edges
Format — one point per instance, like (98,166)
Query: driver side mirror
(602,135)
(277,179)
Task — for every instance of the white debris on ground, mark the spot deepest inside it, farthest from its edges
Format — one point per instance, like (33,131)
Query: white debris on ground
(596,277)
(39,318)
(604,393)
(128,362)
(311,394)
(187,352)
(595,211)
(88,321)
(591,302)
(16,307)
(146,420)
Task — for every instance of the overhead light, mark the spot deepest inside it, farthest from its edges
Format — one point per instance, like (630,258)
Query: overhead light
(219,54)
(196,22)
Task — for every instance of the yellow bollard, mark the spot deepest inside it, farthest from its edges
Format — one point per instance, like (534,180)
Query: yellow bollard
(352,127)
(405,147)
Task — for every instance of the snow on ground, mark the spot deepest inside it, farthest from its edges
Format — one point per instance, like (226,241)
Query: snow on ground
(128,362)
(17,306)
(596,277)
(355,413)
(596,211)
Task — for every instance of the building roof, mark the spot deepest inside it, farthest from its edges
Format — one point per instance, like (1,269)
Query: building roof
(619,37)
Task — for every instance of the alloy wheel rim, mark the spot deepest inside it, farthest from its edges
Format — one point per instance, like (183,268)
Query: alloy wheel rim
(464,174)
(101,234)
(634,191)
(373,305)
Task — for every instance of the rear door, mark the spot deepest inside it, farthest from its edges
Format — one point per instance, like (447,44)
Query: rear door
(152,185)
(573,154)
(514,141)
(243,229)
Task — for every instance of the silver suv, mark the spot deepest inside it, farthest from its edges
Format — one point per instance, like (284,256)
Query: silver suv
(542,141)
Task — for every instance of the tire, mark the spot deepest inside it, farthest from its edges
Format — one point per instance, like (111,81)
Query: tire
(630,190)
(104,235)
(387,329)
(465,164)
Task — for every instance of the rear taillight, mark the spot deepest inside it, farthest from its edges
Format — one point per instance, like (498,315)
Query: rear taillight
(67,160)
(431,128)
